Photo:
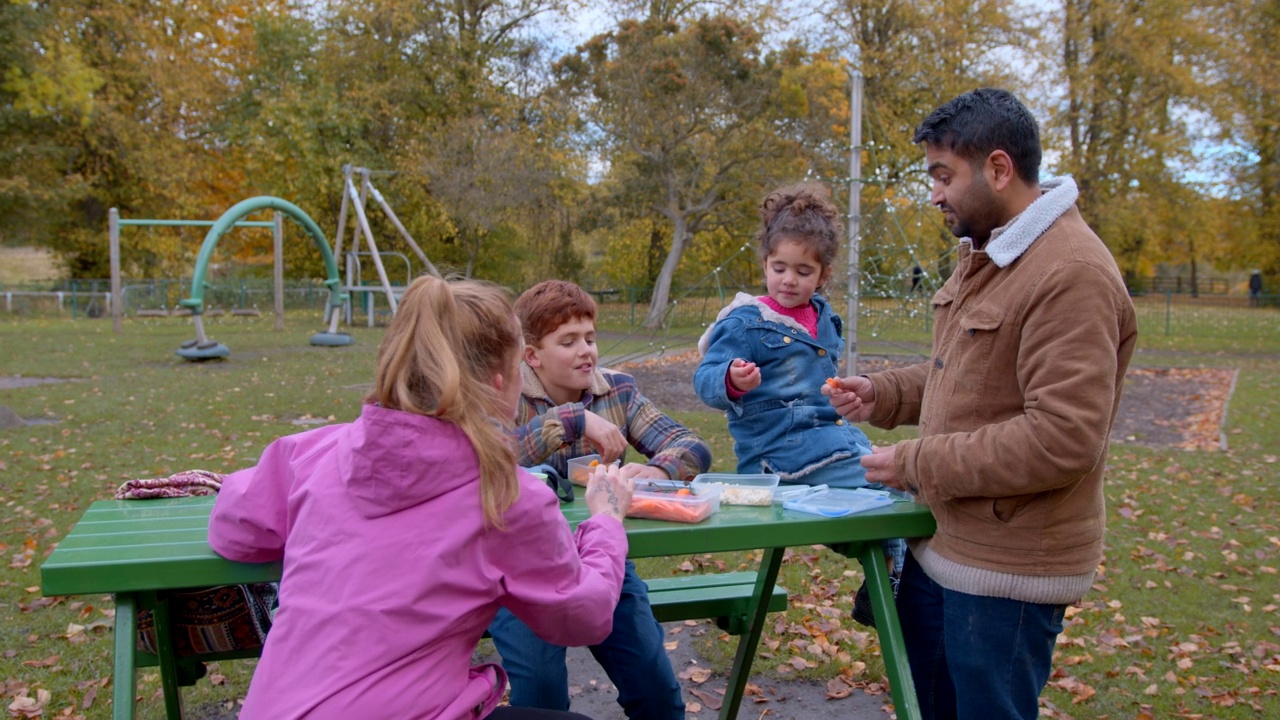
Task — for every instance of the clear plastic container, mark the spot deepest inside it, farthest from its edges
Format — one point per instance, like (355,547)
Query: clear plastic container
(738,489)
(785,493)
(839,502)
(660,485)
(580,468)
(674,506)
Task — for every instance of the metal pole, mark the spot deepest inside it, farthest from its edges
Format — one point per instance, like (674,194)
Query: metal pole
(113,241)
(367,232)
(855,221)
(277,235)
(431,268)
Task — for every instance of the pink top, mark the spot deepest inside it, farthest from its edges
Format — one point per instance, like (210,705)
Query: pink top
(390,575)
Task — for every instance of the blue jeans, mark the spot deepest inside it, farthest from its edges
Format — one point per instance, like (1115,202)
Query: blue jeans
(972,656)
(632,656)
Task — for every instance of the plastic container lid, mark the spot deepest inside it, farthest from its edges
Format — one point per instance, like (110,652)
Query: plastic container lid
(839,502)
(746,489)
(784,493)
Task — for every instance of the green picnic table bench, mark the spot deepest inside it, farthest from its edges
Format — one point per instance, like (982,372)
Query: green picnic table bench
(142,550)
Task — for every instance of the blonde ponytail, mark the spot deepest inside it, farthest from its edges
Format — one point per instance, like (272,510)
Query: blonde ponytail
(439,357)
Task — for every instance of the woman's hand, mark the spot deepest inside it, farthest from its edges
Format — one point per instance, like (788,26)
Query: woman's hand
(608,492)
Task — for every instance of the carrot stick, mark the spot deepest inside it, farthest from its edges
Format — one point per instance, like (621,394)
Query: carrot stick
(662,509)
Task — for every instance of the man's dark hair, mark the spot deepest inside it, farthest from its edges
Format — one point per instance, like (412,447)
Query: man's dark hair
(978,123)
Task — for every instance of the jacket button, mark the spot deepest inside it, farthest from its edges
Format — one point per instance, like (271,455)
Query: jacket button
(822,352)
(786,341)
(839,421)
(938,363)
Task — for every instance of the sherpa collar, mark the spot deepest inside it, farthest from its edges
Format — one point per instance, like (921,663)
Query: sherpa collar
(1013,239)
(533,387)
(740,300)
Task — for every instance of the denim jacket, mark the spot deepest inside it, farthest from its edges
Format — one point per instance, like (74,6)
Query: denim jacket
(785,426)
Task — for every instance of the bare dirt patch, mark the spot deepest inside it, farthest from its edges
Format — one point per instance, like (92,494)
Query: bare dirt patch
(10,382)
(1161,407)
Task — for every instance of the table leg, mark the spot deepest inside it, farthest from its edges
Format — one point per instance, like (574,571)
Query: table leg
(124,681)
(168,660)
(892,647)
(766,578)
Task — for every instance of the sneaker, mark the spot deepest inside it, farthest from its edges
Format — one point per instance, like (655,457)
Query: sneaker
(862,607)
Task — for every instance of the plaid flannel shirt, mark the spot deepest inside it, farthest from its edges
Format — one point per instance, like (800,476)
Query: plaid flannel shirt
(552,434)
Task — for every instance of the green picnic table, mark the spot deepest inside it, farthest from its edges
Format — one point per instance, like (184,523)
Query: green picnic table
(137,549)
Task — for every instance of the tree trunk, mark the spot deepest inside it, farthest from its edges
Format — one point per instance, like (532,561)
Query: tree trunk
(662,286)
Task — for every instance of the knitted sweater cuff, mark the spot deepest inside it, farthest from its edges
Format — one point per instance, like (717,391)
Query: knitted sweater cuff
(1041,589)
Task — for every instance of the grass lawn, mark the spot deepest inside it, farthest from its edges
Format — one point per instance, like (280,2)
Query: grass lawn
(1183,620)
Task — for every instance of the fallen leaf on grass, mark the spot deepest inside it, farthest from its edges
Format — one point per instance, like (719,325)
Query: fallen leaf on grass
(709,700)
(47,662)
(26,706)
(75,633)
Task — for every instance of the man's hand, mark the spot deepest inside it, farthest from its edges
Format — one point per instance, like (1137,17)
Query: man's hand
(608,492)
(855,399)
(882,467)
(743,376)
(605,437)
(632,471)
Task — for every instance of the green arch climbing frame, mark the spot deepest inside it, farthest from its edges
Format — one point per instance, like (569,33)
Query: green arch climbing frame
(202,348)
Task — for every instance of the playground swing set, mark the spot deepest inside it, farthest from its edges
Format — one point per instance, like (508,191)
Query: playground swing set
(340,293)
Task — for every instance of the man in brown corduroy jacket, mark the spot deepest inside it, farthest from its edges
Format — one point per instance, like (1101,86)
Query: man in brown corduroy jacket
(1032,336)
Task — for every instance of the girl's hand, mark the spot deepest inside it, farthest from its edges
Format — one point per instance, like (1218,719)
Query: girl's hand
(608,492)
(744,376)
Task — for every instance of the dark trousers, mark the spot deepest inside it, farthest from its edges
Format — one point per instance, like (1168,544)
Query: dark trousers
(974,657)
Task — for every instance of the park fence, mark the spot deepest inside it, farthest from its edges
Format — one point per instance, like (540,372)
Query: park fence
(904,319)
(907,319)
(150,298)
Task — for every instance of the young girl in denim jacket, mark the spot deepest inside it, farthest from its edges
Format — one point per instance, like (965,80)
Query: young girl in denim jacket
(765,359)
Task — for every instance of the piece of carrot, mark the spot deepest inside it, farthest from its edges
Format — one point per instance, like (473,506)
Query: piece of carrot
(833,383)
(673,510)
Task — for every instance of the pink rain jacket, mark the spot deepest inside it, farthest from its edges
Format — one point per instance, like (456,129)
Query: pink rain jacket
(390,576)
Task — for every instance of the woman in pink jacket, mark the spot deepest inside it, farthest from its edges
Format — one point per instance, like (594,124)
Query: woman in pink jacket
(403,532)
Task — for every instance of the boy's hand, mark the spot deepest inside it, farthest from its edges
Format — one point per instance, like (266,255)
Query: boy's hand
(744,376)
(640,470)
(854,399)
(608,492)
(605,437)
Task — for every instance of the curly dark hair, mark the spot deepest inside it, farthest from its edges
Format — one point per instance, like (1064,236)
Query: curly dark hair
(803,213)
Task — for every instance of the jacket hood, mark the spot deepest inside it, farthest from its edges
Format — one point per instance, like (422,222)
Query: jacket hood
(1058,196)
(398,460)
(743,300)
